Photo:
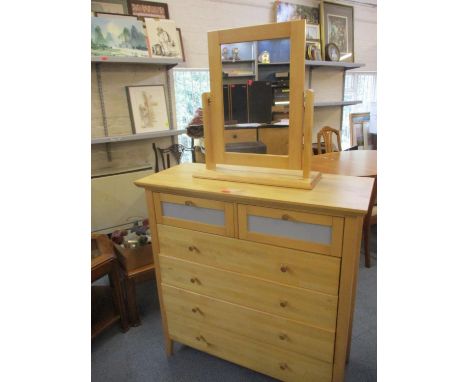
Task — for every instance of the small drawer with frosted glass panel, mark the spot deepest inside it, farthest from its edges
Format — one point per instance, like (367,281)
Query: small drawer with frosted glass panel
(194,213)
(291,229)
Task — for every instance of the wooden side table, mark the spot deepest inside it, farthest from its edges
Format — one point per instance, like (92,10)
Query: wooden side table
(107,302)
(137,265)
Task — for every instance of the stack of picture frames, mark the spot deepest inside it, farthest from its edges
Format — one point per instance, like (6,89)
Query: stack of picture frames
(138,29)
(134,29)
(330,29)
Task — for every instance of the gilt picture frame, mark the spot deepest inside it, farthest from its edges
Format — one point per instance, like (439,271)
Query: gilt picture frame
(148,9)
(337,27)
(148,108)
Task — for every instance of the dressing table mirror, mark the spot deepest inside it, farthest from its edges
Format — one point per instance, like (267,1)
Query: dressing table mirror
(244,64)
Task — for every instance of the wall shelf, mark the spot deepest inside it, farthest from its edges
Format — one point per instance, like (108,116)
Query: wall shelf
(170,62)
(137,137)
(237,62)
(336,103)
(333,64)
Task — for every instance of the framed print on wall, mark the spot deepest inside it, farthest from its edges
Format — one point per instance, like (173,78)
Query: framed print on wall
(288,12)
(148,108)
(148,9)
(163,38)
(337,24)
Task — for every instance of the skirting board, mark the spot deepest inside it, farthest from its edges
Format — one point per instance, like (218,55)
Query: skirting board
(261,175)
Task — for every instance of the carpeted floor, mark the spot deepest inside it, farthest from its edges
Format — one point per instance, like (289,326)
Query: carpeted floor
(138,355)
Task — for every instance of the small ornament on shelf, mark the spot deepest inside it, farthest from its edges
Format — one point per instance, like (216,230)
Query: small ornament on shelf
(235,54)
(264,58)
(224,54)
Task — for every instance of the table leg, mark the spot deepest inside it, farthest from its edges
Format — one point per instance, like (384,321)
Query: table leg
(132,302)
(117,294)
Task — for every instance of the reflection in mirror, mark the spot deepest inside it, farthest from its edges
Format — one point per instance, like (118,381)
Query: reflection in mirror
(256,96)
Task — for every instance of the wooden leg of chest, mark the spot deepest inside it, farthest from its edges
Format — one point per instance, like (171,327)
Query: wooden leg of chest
(168,343)
(347,294)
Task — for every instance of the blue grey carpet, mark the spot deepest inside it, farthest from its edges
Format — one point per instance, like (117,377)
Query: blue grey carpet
(138,355)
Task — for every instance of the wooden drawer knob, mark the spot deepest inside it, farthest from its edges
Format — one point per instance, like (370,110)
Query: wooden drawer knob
(234,136)
(202,339)
(283,366)
(286,217)
(196,309)
(189,203)
(192,248)
(284,268)
(283,304)
(194,280)
(282,336)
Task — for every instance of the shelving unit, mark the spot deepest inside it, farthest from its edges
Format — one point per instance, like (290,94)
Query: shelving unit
(137,137)
(326,98)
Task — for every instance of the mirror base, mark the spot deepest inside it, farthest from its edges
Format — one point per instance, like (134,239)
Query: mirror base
(261,175)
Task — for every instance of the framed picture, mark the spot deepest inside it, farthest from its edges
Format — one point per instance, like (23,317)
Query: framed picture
(148,9)
(106,14)
(118,36)
(288,12)
(163,38)
(181,44)
(359,129)
(148,108)
(313,51)
(337,24)
(108,7)
(312,32)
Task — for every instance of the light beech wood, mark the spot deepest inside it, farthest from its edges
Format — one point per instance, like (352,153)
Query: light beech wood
(327,134)
(227,208)
(168,344)
(334,195)
(347,294)
(259,356)
(286,334)
(209,149)
(295,31)
(313,308)
(276,139)
(308,127)
(334,248)
(261,175)
(229,297)
(303,269)
(240,135)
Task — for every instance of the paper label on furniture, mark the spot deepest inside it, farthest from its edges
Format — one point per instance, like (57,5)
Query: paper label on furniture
(315,233)
(199,214)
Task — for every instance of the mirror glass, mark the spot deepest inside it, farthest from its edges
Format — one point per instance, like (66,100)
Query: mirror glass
(255,78)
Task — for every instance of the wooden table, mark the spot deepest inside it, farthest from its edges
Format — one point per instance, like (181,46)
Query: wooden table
(352,163)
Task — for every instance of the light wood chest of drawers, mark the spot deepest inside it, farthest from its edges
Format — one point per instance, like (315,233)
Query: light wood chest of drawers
(261,276)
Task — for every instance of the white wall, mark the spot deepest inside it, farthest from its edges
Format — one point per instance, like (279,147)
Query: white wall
(197,17)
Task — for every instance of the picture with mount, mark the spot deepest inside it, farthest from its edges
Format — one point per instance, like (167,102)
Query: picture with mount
(118,36)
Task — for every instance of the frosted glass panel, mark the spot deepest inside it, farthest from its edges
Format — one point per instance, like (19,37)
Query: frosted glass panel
(199,214)
(315,233)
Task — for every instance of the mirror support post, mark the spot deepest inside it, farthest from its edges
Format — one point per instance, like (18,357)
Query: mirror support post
(207,131)
(308,127)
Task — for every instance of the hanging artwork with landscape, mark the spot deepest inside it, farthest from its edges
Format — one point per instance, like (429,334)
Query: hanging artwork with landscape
(163,38)
(288,12)
(148,110)
(118,36)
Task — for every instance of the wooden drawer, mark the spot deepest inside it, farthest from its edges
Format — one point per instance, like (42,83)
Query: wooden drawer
(302,269)
(298,230)
(313,308)
(194,213)
(286,334)
(240,135)
(255,355)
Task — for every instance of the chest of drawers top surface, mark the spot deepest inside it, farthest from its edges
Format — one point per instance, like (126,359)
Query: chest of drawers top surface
(333,193)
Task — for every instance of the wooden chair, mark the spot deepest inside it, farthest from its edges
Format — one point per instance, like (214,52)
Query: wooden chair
(327,134)
(177,150)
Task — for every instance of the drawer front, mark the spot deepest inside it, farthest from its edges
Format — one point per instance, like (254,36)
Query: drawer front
(259,356)
(240,135)
(288,266)
(194,213)
(309,307)
(298,230)
(206,312)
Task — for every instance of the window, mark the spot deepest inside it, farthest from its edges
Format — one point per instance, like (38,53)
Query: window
(189,85)
(359,86)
